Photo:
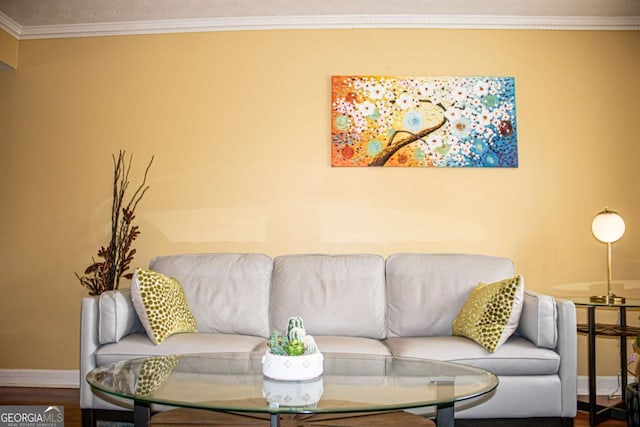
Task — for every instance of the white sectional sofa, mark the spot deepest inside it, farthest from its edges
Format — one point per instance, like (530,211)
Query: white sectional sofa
(403,305)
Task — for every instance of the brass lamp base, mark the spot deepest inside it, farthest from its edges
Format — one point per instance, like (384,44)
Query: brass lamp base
(608,299)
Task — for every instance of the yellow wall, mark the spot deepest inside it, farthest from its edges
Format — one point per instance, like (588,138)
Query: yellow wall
(8,50)
(239,124)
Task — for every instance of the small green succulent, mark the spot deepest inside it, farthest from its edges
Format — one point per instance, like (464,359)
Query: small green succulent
(276,343)
(294,348)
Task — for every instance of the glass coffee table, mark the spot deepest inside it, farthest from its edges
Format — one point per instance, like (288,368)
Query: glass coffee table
(232,385)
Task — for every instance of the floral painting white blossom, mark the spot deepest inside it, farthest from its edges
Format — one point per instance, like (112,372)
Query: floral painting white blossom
(423,121)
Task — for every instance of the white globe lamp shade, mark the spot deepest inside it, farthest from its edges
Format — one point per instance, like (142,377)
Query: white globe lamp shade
(608,226)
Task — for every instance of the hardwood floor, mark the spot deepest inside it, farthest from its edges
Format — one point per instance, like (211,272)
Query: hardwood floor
(69,398)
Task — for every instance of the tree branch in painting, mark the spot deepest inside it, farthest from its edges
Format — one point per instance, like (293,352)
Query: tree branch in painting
(383,156)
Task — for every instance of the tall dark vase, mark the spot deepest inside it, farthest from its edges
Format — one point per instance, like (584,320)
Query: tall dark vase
(633,405)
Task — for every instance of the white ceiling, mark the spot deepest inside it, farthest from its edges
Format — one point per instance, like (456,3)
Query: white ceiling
(61,18)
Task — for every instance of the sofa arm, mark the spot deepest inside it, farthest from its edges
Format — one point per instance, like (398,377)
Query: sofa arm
(567,347)
(91,316)
(103,319)
(88,345)
(551,323)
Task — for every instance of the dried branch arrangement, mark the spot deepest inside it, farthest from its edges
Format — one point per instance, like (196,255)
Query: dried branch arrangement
(105,274)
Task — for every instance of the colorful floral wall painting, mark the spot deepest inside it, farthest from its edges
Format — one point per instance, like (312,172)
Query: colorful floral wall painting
(423,121)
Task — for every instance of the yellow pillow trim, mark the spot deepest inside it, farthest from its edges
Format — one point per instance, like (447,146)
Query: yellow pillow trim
(491,313)
(161,305)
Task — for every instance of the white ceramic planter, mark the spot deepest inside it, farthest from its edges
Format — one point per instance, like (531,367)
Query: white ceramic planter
(305,394)
(292,368)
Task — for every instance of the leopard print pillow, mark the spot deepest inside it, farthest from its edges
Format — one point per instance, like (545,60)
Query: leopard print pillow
(161,305)
(491,313)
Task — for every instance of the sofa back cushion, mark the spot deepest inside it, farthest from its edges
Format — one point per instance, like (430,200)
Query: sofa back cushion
(340,295)
(425,292)
(227,293)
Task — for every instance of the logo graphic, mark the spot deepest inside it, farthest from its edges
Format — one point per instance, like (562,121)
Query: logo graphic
(31,416)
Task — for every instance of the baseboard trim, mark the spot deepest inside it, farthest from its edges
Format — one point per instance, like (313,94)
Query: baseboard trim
(605,385)
(53,378)
(49,378)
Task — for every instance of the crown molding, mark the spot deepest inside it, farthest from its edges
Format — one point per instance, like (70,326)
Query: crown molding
(10,26)
(319,22)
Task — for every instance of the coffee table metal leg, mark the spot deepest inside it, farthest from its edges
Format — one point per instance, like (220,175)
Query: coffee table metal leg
(623,355)
(591,321)
(444,415)
(275,420)
(141,413)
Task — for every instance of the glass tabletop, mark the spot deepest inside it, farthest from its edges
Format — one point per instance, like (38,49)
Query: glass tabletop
(586,302)
(234,382)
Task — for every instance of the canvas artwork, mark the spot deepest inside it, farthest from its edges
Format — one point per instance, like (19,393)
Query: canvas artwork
(423,121)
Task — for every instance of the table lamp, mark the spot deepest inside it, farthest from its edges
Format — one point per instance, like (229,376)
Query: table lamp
(608,227)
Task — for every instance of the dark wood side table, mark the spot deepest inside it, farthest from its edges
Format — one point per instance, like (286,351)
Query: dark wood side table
(598,413)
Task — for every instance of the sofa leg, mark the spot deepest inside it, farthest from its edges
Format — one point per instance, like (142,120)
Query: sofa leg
(566,422)
(88,419)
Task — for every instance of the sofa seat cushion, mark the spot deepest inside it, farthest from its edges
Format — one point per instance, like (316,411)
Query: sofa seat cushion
(139,345)
(517,356)
(349,345)
(334,344)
